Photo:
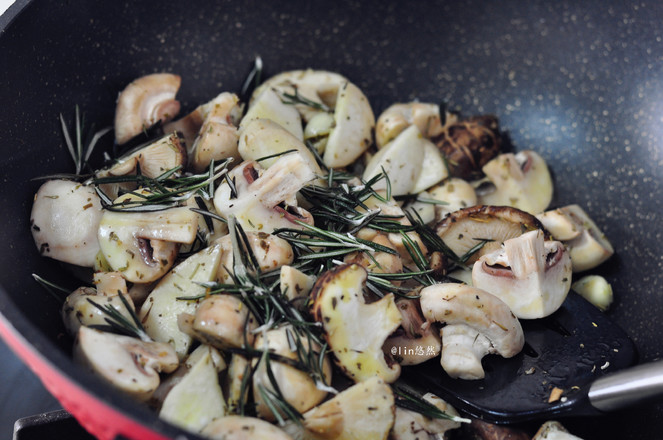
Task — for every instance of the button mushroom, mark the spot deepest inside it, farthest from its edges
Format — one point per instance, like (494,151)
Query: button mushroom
(268,105)
(145,101)
(416,341)
(397,117)
(587,245)
(521,181)
(475,231)
(64,221)
(242,428)
(143,245)
(411,425)
(127,363)
(477,323)
(355,330)
(530,275)
(264,200)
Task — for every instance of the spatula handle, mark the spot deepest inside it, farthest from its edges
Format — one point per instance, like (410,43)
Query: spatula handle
(628,387)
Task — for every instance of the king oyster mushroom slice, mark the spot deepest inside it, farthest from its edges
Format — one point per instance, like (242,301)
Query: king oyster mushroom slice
(142,245)
(64,221)
(521,181)
(587,245)
(530,275)
(297,387)
(355,331)
(465,230)
(77,309)
(410,425)
(218,136)
(399,116)
(477,323)
(145,101)
(416,341)
(265,200)
(243,428)
(127,363)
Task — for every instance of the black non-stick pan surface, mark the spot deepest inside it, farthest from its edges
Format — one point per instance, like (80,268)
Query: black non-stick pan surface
(579,82)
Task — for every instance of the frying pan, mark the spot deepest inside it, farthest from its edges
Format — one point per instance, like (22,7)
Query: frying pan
(581,83)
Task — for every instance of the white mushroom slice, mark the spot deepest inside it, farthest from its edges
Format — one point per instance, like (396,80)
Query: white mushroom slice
(398,117)
(145,101)
(218,136)
(552,430)
(355,330)
(297,387)
(352,133)
(456,193)
(270,251)
(197,399)
(595,289)
(424,207)
(433,168)
(162,307)
(477,323)
(77,309)
(268,105)
(416,341)
(127,363)
(465,230)
(295,285)
(223,321)
(365,411)
(587,245)
(530,275)
(64,221)
(243,428)
(143,245)
(401,160)
(521,181)
(410,425)
(317,130)
(262,138)
(265,200)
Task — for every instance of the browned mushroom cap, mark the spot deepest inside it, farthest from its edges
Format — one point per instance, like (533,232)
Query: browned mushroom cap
(145,101)
(464,230)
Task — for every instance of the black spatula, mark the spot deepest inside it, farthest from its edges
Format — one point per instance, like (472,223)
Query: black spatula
(568,350)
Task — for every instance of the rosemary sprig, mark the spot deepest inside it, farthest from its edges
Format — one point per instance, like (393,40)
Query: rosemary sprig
(80,152)
(252,80)
(118,323)
(58,292)
(296,98)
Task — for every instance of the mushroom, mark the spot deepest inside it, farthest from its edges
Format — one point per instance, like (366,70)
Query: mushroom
(264,200)
(411,425)
(297,387)
(477,323)
(242,428)
(218,136)
(456,193)
(295,285)
(236,391)
(127,363)
(595,289)
(77,309)
(478,230)
(64,221)
(587,245)
(159,313)
(363,411)
(398,117)
(197,399)
(376,261)
(144,102)
(521,181)
(317,131)
(268,105)
(416,341)
(355,330)
(553,430)
(530,275)
(143,245)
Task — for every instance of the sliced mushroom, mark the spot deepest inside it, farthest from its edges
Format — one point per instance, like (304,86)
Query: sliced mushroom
(159,313)
(411,425)
(264,200)
(376,261)
(295,285)
(234,387)
(553,430)
(318,129)
(477,323)
(521,180)
(478,230)
(143,245)
(297,387)
(355,330)
(64,222)
(77,309)
(398,117)
(145,101)
(587,245)
(268,105)
(530,275)
(218,136)
(243,428)
(127,363)
(595,289)
(416,341)
(456,193)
